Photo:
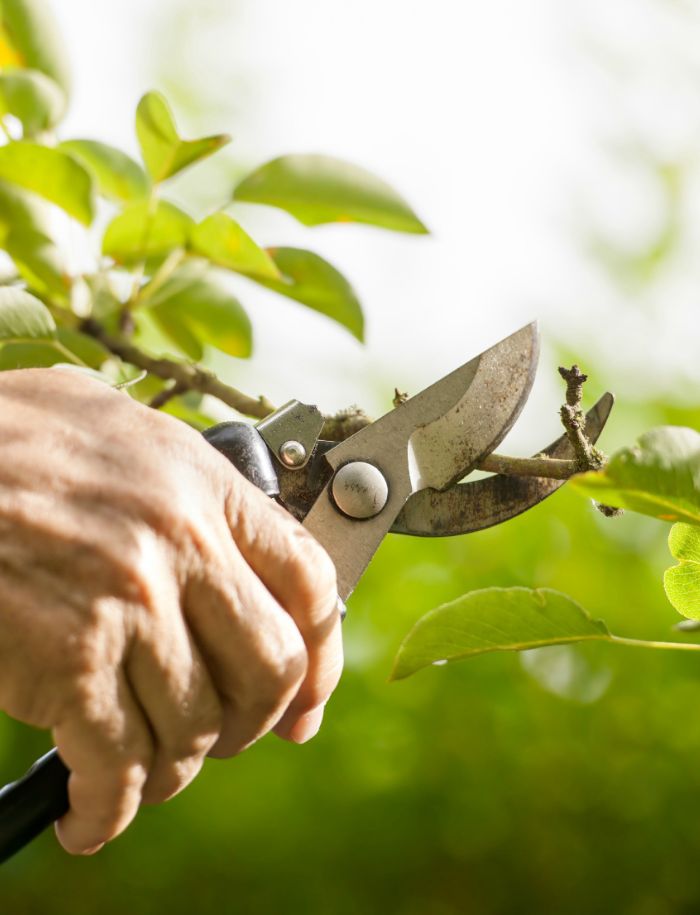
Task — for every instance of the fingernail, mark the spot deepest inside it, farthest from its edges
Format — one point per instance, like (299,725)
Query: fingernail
(307,726)
(94,849)
(342,609)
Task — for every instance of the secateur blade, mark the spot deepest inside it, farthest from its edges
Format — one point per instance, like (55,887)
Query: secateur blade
(478,504)
(431,440)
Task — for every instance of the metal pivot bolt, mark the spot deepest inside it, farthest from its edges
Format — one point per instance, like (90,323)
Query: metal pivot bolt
(292,453)
(360,490)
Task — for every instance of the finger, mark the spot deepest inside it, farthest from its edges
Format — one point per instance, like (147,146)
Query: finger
(107,746)
(172,686)
(301,576)
(300,727)
(252,649)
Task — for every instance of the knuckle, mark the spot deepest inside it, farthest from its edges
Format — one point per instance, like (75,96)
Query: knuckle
(130,775)
(170,778)
(292,668)
(85,653)
(318,692)
(143,557)
(286,671)
(200,734)
(313,574)
(193,746)
(280,668)
(129,758)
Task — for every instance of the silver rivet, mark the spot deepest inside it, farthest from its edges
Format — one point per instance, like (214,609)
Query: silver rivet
(292,453)
(360,490)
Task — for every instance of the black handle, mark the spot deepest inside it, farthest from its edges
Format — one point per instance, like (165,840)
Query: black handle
(32,803)
(39,798)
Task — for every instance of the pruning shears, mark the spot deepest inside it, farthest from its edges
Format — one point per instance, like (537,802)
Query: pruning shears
(399,474)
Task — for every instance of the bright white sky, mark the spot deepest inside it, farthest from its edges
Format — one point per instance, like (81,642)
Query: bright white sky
(513,128)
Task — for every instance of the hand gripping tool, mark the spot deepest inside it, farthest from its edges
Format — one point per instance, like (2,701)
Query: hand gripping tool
(398,474)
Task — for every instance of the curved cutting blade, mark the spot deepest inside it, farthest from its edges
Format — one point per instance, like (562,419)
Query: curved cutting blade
(475,505)
(446,449)
(432,440)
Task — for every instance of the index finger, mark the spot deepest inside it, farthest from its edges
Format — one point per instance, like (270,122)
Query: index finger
(301,576)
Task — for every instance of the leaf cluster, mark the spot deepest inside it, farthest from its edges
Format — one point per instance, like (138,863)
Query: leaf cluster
(659,477)
(168,282)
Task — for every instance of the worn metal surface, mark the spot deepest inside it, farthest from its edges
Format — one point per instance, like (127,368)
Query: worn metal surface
(461,509)
(433,439)
(293,454)
(294,422)
(359,490)
(299,489)
(473,506)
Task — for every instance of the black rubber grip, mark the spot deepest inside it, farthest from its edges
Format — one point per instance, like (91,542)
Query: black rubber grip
(32,803)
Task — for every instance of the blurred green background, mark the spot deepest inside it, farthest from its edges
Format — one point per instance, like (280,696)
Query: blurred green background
(564,780)
(569,783)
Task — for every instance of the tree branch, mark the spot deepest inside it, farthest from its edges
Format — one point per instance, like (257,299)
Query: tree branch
(186,376)
(542,466)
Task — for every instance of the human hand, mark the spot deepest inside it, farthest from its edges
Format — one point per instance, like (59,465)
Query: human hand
(155,607)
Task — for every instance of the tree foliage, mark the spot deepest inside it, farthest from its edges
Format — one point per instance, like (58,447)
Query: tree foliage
(164,280)
(471,786)
(167,283)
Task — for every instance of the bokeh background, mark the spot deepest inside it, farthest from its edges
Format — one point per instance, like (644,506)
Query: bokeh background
(553,149)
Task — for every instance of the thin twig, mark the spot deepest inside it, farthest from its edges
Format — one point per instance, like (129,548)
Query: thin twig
(166,395)
(189,377)
(543,466)
(588,457)
(574,421)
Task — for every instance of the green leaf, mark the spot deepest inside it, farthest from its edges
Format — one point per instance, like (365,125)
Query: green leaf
(33,98)
(118,176)
(24,223)
(29,356)
(494,619)
(104,295)
(314,282)
(19,207)
(660,476)
(43,355)
(24,317)
(682,582)
(140,232)
(189,415)
(176,330)
(160,337)
(223,241)
(201,302)
(37,259)
(85,348)
(32,39)
(504,619)
(318,189)
(51,174)
(164,151)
